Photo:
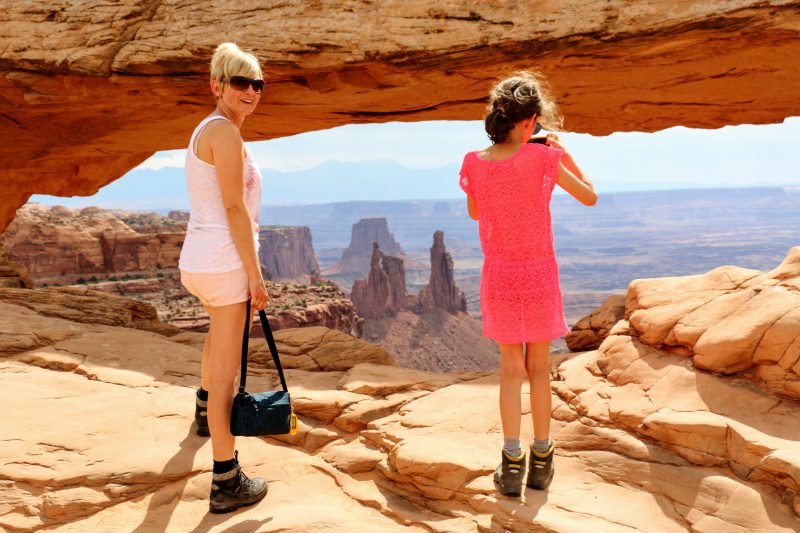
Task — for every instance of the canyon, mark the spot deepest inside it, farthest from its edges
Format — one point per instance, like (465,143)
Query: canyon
(431,331)
(356,259)
(287,253)
(59,244)
(135,254)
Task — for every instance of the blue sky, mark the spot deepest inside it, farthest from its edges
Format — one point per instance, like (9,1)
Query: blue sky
(402,160)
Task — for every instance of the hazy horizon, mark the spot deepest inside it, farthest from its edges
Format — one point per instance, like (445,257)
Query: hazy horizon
(420,160)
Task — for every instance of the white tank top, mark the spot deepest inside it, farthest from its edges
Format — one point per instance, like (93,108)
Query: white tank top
(209,246)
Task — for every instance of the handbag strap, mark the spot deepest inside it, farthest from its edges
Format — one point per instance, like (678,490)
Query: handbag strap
(270,342)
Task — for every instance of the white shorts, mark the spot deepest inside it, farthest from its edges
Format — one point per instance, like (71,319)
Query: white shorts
(217,289)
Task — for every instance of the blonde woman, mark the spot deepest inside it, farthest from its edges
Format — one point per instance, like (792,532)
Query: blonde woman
(219,259)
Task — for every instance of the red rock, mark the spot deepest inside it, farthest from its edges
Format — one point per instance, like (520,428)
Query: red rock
(644,441)
(590,331)
(58,244)
(286,253)
(357,258)
(729,320)
(82,110)
(383,293)
(89,307)
(441,291)
(12,274)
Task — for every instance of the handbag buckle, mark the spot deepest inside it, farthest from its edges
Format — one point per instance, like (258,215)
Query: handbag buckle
(293,424)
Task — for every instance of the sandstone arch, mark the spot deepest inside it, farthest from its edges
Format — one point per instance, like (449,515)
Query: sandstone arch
(89,90)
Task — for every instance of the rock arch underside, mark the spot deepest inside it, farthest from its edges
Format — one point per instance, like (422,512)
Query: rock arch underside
(88,90)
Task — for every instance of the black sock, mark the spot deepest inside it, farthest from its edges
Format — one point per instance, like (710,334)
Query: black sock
(220,467)
(202,394)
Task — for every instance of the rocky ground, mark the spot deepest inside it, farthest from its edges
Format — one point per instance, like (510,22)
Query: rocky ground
(290,305)
(436,340)
(98,427)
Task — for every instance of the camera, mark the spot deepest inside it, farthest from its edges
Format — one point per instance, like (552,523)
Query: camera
(538,136)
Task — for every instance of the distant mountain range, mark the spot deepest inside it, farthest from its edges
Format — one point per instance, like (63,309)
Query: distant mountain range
(333,181)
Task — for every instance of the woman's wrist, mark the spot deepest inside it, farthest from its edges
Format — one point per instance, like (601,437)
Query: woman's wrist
(253,272)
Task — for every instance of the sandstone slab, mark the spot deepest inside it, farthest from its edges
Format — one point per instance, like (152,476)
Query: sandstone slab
(729,320)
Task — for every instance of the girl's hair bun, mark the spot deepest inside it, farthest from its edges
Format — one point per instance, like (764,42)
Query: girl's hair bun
(517,98)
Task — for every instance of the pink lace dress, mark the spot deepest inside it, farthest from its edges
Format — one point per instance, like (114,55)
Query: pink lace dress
(520,293)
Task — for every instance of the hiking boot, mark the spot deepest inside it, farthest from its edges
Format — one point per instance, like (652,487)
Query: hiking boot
(201,416)
(508,476)
(233,489)
(540,469)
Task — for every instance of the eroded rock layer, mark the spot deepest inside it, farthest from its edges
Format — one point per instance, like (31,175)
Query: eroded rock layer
(730,320)
(358,257)
(12,274)
(441,291)
(287,253)
(58,244)
(383,292)
(90,90)
(645,440)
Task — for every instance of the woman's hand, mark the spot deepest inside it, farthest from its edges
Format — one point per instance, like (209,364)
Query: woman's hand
(258,292)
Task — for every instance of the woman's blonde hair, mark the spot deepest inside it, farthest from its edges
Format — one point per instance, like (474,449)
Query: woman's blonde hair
(230,60)
(519,97)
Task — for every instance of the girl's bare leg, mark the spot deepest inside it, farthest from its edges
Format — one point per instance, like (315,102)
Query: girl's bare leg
(537,364)
(225,351)
(512,372)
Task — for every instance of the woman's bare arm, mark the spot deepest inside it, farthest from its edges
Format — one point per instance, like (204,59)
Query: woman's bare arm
(227,151)
(570,176)
(576,183)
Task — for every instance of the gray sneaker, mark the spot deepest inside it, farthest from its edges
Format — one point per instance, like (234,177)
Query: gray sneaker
(540,470)
(201,416)
(233,489)
(508,476)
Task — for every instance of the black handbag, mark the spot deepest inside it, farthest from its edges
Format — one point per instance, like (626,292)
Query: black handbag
(262,413)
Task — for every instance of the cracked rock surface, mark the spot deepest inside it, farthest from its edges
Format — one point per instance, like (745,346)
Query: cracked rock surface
(97,433)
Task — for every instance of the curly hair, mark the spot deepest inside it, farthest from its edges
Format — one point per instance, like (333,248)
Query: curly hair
(516,98)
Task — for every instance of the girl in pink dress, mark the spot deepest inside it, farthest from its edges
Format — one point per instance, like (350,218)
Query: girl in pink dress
(508,186)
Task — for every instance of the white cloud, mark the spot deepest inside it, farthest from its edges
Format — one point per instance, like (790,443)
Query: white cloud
(166,159)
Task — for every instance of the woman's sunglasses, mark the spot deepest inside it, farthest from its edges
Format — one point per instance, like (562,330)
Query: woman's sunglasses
(241,83)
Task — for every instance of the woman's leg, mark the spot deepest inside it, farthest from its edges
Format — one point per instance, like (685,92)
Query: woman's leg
(512,372)
(204,372)
(537,364)
(225,334)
